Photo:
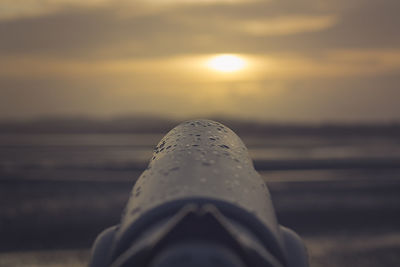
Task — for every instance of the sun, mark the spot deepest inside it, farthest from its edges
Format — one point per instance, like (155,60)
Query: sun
(226,63)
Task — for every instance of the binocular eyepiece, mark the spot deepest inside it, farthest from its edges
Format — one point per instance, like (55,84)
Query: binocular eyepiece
(199,203)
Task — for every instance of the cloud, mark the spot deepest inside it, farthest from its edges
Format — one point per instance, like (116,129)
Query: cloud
(194,68)
(123,31)
(11,9)
(287,25)
(348,99)
(335,63)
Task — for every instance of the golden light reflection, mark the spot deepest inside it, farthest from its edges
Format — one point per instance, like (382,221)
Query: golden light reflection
(226,63)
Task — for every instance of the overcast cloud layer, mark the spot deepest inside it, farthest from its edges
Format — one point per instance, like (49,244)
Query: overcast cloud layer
(310,60)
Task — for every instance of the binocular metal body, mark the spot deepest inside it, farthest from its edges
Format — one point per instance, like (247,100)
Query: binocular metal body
(199,203)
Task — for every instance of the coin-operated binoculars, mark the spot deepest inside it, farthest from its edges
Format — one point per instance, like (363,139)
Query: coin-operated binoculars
(200,203)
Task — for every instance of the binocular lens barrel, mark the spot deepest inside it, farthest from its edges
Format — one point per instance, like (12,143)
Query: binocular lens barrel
(200,202)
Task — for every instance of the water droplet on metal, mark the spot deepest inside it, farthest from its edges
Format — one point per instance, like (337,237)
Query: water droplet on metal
(136,210)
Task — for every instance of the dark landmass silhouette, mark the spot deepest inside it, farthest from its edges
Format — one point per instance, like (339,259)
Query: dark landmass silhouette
(149,124)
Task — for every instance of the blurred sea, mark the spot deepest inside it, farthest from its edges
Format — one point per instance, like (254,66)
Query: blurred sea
(340,192)
(93,156)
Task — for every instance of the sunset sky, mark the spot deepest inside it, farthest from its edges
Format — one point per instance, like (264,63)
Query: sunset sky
(291,61)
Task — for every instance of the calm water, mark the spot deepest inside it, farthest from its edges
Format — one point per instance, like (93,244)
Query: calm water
(91,156)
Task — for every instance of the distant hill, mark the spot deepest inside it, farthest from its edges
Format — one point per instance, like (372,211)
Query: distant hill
(146,124)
